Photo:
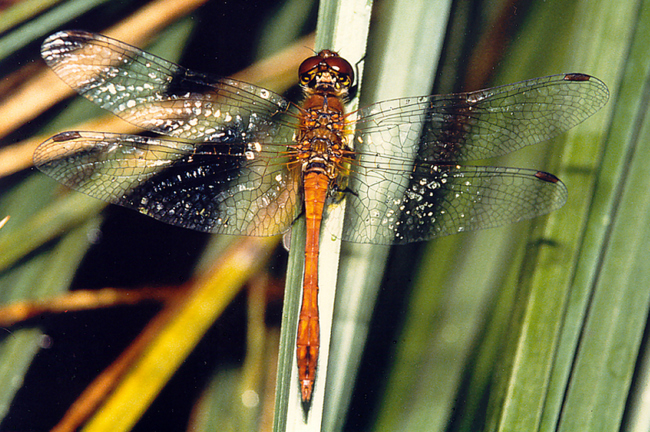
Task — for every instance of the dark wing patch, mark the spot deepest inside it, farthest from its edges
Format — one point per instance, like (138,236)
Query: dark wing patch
(214,187)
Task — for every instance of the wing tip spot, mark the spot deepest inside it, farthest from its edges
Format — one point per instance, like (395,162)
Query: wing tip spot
(66,136)
(577,77)
(547,177)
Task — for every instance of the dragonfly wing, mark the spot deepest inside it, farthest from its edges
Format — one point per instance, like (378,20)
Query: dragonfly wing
(244,189)
(438,200)
(158,95)
(481,124)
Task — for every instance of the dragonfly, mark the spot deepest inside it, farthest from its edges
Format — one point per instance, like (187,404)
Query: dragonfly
(233,158)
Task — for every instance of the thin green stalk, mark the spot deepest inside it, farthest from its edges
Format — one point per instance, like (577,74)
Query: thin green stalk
(342,25)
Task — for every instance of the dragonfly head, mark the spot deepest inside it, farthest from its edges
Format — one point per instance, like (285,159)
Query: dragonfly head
(326,72)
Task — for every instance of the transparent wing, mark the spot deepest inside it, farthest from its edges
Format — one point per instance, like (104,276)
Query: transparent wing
(405,184)
(437,200)
(229,188)
(481,124)
(158,95)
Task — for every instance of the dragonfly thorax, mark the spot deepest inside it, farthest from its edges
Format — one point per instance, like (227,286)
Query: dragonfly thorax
(322,137)
(323,157)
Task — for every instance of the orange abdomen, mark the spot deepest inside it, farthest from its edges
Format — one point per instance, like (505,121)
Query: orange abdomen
(307,345)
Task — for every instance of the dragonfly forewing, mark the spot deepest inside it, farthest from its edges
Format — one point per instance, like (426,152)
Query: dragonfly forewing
(158,95)
(481,124)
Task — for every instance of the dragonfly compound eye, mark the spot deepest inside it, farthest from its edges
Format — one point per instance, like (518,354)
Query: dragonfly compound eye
(308,69)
